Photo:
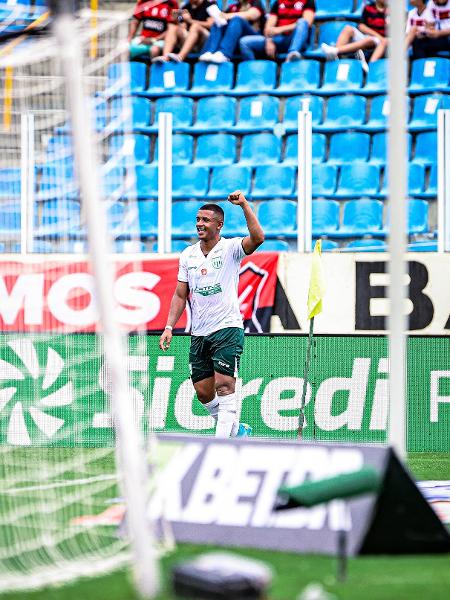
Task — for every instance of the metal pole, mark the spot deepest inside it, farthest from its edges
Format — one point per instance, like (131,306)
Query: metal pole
(31,184)
(443,166)
(397,159)
(164,182)
(24,156)
(304,175)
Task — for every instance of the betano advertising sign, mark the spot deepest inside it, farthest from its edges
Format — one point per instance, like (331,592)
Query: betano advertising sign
(52,389)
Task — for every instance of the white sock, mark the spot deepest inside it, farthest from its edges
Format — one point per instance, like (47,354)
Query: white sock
(227,417)
(213,407)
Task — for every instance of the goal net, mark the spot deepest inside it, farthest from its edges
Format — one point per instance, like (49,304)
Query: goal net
(64,489)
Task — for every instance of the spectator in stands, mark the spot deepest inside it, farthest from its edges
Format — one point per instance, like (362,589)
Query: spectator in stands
(369,35)
(420,19)
(195,19)
(287,29)
(156,23)
(245,18)
(435,39)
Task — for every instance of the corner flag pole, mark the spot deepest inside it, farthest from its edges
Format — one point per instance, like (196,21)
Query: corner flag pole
(316,293)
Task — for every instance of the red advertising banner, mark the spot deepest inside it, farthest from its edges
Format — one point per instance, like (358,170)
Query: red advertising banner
(60,296)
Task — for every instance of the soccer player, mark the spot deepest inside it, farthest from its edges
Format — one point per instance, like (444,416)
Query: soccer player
(209,273)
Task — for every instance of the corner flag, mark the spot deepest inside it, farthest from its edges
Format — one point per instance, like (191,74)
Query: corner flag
(316,290)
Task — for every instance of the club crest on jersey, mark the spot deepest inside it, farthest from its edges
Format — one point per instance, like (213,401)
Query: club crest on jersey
(204,271)
(217,262)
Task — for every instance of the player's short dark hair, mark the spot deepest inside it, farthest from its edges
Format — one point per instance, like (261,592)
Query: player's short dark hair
(216,209)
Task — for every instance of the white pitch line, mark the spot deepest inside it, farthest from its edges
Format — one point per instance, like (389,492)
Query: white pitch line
(70,483)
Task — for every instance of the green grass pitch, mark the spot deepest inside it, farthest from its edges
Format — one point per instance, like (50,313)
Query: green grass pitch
(369,578)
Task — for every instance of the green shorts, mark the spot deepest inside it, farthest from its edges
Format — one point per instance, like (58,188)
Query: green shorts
(220,351)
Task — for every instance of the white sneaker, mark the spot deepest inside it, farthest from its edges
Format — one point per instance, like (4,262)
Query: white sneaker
(205,57)
(362,58)
(293,56)
(219,58)
(174,57)
(330,52)
(159,59)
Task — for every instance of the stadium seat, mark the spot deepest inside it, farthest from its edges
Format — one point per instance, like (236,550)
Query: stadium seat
(10,220)
(211,79)
(361,217)
(358,180)
(431,189)
(274,246)
(146,182)
(278,218)
(378,155)
(327,245)
(294,104)
(141,147)
(167,79)
(274,181)
(325,217)
(423,246)
(254,75)
(231,177)
(416,180)
(214,114)
(366,245)
(137,72)
(179,245)
(430,75)
(140,112)
(215,149)
(148,219)
(189,181)
(181,108)
(333,9)
(129,246)
(10,184)
(424,115)
(378,115)
(417,219)
(234,222)
(184,219)
(324,179)
(182,149)
(260,149)
(319,144)
(257,113)
(298,77)
(426,148)
(328,34)
(341,77)
(43,247)
(376,79)
(349,147)
(343,112)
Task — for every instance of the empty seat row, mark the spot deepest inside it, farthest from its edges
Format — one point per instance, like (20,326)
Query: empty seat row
(337,77)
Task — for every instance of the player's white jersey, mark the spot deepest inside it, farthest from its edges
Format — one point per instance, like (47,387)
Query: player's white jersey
(419,21)
(213,282)
(441,14)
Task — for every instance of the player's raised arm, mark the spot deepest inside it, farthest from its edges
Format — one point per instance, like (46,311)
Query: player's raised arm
(177,307)
(256,237)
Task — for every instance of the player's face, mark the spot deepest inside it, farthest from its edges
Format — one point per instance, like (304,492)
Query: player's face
(208,226)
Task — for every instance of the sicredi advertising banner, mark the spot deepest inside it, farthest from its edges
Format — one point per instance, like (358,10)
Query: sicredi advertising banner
(356,299)
(60,296)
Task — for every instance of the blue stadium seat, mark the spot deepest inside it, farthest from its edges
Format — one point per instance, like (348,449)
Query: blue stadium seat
(184,218)
(298,77)
(358,180)
(328,34)
(254,75)
(10,220)
(129,246)
(417,217)
(424,116)
(10,185)
(43,247)
(430,75)
(426,148)
(274,246)
(341,77)
(58,219)
(325,217)
(148,219)
(366,245)
(327,245)
(146,181)
(333,9)
(257,113)
(112,181)
(349,147)
(343,112)
(234,223)
(189,181)
(294,104)
(378,115)
(140,112)
(324,179)
(426,246)
(260,149)
(319,144)
(378,154)
(431,189)
(182,149)
(137,72)
(215,149)
(416,179)
(361,217)
(167,79)
(179,245)
(278,218)
(231,177)
(215,113)
(141,151)
(377,79)
(274,181)
(181,108)
(210,79)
